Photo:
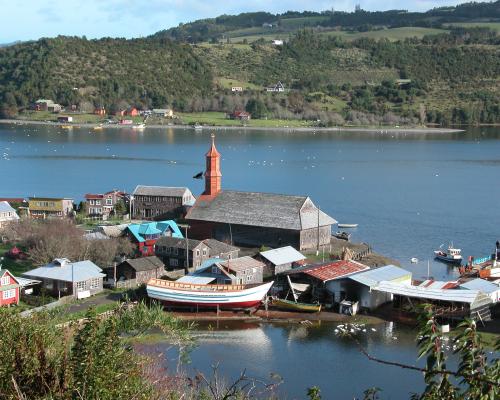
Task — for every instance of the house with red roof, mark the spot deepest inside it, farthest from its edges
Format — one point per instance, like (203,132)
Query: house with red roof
(241,115)
(9,289)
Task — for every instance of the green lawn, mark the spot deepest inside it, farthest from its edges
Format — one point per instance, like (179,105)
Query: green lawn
(16,267)
(219,119)
(492,25)
(391,34)
(77,118)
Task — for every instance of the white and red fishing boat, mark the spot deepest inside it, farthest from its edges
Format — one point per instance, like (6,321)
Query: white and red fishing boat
(183,294)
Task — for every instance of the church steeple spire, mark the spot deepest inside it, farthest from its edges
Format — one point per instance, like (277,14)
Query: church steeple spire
(212,173)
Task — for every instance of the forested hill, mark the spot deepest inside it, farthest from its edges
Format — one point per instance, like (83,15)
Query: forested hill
(71,70)
(266,23)
(448,75)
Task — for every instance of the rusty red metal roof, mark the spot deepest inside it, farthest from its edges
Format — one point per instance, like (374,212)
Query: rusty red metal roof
(334,270)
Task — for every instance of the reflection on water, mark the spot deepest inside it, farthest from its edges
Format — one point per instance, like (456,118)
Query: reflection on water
(307,355)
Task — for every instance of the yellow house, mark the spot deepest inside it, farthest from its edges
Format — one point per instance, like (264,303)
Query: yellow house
(48,207)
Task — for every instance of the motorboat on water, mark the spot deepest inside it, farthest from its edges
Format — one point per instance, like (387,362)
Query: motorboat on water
(184,294)
(342,235)
(452,255)
(347,225)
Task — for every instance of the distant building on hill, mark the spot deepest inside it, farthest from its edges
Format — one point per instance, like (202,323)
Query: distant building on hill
(279,87)
(163,112)
(241,115)
(102,205)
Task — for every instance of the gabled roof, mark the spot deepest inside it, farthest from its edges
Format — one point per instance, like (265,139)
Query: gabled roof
(387,273)
(144,263)
(216,247)
(259,209)
(481,285)
(179,243)
(283,255)
(153,228)
(331,270)
(166,191)
(7,272)
(68,271)
(241,264)
(5,207)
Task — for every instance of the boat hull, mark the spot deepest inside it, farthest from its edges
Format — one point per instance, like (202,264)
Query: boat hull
(302,307)
(206,296)
(449,260)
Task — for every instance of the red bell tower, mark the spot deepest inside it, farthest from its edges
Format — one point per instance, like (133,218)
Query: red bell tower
(212,173)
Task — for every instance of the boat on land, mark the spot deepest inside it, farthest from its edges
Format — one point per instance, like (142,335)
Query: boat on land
(296,306)
(347,225)
(197,126)
(184,294)
(451,255)
(342,235)
(139,126)
(97,128)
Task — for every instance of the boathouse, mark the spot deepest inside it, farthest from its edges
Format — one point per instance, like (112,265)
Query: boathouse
(254,218)
(280,259)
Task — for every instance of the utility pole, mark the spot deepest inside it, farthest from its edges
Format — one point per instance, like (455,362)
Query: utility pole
(317,249)
(187,249)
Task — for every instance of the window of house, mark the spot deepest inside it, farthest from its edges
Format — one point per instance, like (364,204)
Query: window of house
(169,249)
(109,202)
(215,270)
(95,283)
(82,285)
(249,277)
(198,252)
(5,280)
(176,251)
(9,294)
(174,262)
(204,252)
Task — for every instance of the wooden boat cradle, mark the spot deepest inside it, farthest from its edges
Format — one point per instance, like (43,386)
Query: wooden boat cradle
(199,287)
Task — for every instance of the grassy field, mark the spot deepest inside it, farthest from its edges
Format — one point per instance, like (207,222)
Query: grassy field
(393,34)
(219,119)
(492,25)
(16,267)
(77,118)
(228,83)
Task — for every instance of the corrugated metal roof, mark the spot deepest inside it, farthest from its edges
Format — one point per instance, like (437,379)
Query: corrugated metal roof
(387,273)
(331,270)
(282,255)
(455,295)
(242,263)
(481,285)
(430,283)
(259,209)
(68,272)
(199,280)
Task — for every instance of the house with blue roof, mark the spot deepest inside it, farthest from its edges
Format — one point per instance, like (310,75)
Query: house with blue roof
(146,234)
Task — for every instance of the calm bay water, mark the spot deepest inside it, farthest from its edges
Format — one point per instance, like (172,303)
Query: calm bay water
(408,193)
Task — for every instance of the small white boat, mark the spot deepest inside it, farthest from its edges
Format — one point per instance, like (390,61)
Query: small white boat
(451,256)
(347,225)
(197,126)
(183,294)
(139,126)
(414,260)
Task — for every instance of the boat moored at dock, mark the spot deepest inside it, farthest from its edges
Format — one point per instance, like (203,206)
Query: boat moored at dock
(451,256)
(183,294)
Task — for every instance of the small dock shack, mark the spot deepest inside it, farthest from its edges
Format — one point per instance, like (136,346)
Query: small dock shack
(280,259)
(322,279)
(360,287)
(450,304)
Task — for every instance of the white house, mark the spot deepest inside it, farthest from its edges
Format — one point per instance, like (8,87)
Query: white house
(279,87)
(236,89)
(7,214)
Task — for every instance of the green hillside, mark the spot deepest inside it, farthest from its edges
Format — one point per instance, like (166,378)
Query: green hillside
(387,75)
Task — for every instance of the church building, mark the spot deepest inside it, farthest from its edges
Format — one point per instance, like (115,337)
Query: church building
(253,218)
